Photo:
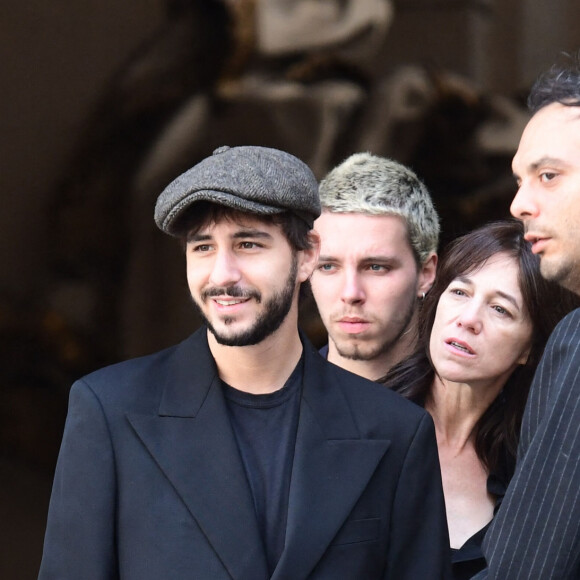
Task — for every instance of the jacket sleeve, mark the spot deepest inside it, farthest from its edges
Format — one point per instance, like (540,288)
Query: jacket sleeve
(536,533)
(419,539)
(80,534)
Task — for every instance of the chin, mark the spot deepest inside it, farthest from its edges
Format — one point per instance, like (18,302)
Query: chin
(555,269)
(357,352)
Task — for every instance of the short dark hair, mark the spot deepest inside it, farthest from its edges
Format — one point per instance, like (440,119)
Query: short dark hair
(497,432)
(294,228)
(559,84)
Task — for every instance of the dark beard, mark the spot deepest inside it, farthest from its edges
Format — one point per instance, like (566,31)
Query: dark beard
(275,312)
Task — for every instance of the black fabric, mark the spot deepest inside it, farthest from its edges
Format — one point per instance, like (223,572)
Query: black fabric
(536,530)
(150,483)
(469,560)
(265,430)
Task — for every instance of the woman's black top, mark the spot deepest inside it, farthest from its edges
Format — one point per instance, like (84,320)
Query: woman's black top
(468,560)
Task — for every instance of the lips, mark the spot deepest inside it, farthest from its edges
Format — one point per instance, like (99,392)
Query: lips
(538,241)
(538,244)
(353,324)
(230,295)
(459,345)
(228,302)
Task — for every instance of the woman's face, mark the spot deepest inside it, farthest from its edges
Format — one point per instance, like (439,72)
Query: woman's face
(481,331)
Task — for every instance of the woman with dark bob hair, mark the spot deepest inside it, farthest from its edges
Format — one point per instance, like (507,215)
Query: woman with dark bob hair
(483,327)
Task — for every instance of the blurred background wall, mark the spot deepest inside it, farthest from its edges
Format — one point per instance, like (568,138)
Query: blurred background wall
(103,102)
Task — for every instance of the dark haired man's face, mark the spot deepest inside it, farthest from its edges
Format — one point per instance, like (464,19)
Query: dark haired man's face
(547,169)
(244,278)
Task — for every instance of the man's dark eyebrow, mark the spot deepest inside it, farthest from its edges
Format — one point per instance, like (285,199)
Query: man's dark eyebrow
(381,260)
(547,161)
(250,233)
(200,237)
(196,237)
(366,260)
(550,161)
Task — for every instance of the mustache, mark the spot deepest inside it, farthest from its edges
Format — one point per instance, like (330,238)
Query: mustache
(232,291)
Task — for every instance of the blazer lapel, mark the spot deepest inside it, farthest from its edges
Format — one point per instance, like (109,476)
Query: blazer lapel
(192,442)
(332,466)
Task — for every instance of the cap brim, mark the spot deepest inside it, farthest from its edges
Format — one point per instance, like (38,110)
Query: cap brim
(169,220)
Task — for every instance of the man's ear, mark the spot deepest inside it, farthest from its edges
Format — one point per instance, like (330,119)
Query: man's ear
(309,257)
(427,274)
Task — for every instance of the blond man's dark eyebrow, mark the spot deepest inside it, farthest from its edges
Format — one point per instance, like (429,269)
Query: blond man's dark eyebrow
(365,259)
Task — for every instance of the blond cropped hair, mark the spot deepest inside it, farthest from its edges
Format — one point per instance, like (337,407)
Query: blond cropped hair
(373,185)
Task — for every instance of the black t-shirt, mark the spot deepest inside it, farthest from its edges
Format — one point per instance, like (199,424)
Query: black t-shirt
(265,429)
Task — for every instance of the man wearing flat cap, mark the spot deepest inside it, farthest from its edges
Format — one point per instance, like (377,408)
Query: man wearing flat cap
(241,453)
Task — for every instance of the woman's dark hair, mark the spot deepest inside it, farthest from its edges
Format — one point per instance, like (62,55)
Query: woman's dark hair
(497,432)
(294,228)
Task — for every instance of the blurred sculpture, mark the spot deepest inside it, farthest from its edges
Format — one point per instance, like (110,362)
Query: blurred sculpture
(304,76)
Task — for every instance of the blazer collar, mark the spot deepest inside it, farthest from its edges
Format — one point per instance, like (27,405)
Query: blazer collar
(333,463)
(190,376)
(192,441)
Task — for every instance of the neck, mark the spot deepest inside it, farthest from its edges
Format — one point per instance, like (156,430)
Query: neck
(377,367)
(456,409)
(369,369)
(260,368)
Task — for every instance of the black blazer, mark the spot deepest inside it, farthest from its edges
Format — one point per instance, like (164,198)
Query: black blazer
(150,484)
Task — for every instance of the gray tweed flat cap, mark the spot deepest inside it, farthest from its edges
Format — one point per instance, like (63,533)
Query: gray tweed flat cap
(251,179)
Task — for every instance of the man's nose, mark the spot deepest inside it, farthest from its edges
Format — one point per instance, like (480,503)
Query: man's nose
(352,289)
(225,269)
(523,205)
